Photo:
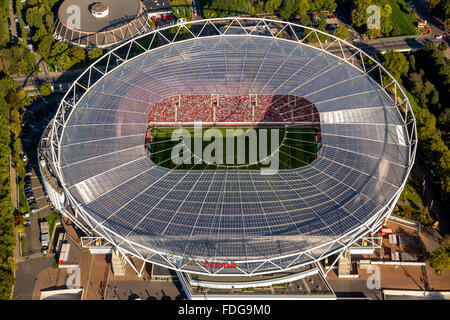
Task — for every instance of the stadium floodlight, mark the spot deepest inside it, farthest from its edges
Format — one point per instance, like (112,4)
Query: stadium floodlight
(243,221)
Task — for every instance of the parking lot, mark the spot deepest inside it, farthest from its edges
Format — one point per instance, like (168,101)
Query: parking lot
(34,121)
(32,242)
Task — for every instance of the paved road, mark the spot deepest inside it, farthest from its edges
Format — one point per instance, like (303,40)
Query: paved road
(403,43)
(26,276)
(34,81)
(12,18)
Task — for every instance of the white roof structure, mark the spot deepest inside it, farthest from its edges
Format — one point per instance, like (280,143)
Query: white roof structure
(263,224)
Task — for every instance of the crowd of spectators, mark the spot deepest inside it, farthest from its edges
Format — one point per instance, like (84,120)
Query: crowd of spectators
(234,109)
(222,108)
(195,108)
(164,110)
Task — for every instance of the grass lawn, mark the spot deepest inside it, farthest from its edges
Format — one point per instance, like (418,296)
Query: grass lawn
(52,219)
(413,101)
(297,148)
(416,209)
(412,193)
(402,17)
(23,204)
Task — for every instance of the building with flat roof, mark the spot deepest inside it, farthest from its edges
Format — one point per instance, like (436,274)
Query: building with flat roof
(103,24)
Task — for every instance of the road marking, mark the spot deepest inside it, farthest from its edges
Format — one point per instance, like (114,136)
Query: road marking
(41,208)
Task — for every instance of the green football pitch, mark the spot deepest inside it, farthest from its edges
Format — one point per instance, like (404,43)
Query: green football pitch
(296,147)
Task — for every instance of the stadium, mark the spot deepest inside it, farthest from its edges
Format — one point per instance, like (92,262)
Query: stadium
(347,132)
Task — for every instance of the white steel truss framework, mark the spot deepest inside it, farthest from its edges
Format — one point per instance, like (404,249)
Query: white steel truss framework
(229,27)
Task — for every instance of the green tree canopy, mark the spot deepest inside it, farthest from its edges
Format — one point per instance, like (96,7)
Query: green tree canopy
(341,32)
(440,259)
(396,64)
(95,53)
(45,89)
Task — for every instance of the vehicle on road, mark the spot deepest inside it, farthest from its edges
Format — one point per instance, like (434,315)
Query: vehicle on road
(438,36)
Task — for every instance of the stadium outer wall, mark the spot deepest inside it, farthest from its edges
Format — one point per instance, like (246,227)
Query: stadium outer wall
(49,148)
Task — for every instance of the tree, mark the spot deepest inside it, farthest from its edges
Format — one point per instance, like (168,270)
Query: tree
(45,46)
(341,32)
(440,259)
(287,9)
(302,7)
(373,33)
(95,53)
(305,20)
(45,89)
(34,16)
(14,120)
(443,46)
(412,62)
(396,64)
(272,5)
(444,119)
(359,15)
(77,54)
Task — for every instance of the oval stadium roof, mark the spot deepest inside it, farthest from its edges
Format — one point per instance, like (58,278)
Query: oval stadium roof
(264,223)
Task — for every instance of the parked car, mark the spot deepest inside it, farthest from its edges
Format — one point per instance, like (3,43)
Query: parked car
(33,210)
(438,36)
(28,172)
(26,215)
(30,197)
(27,222)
